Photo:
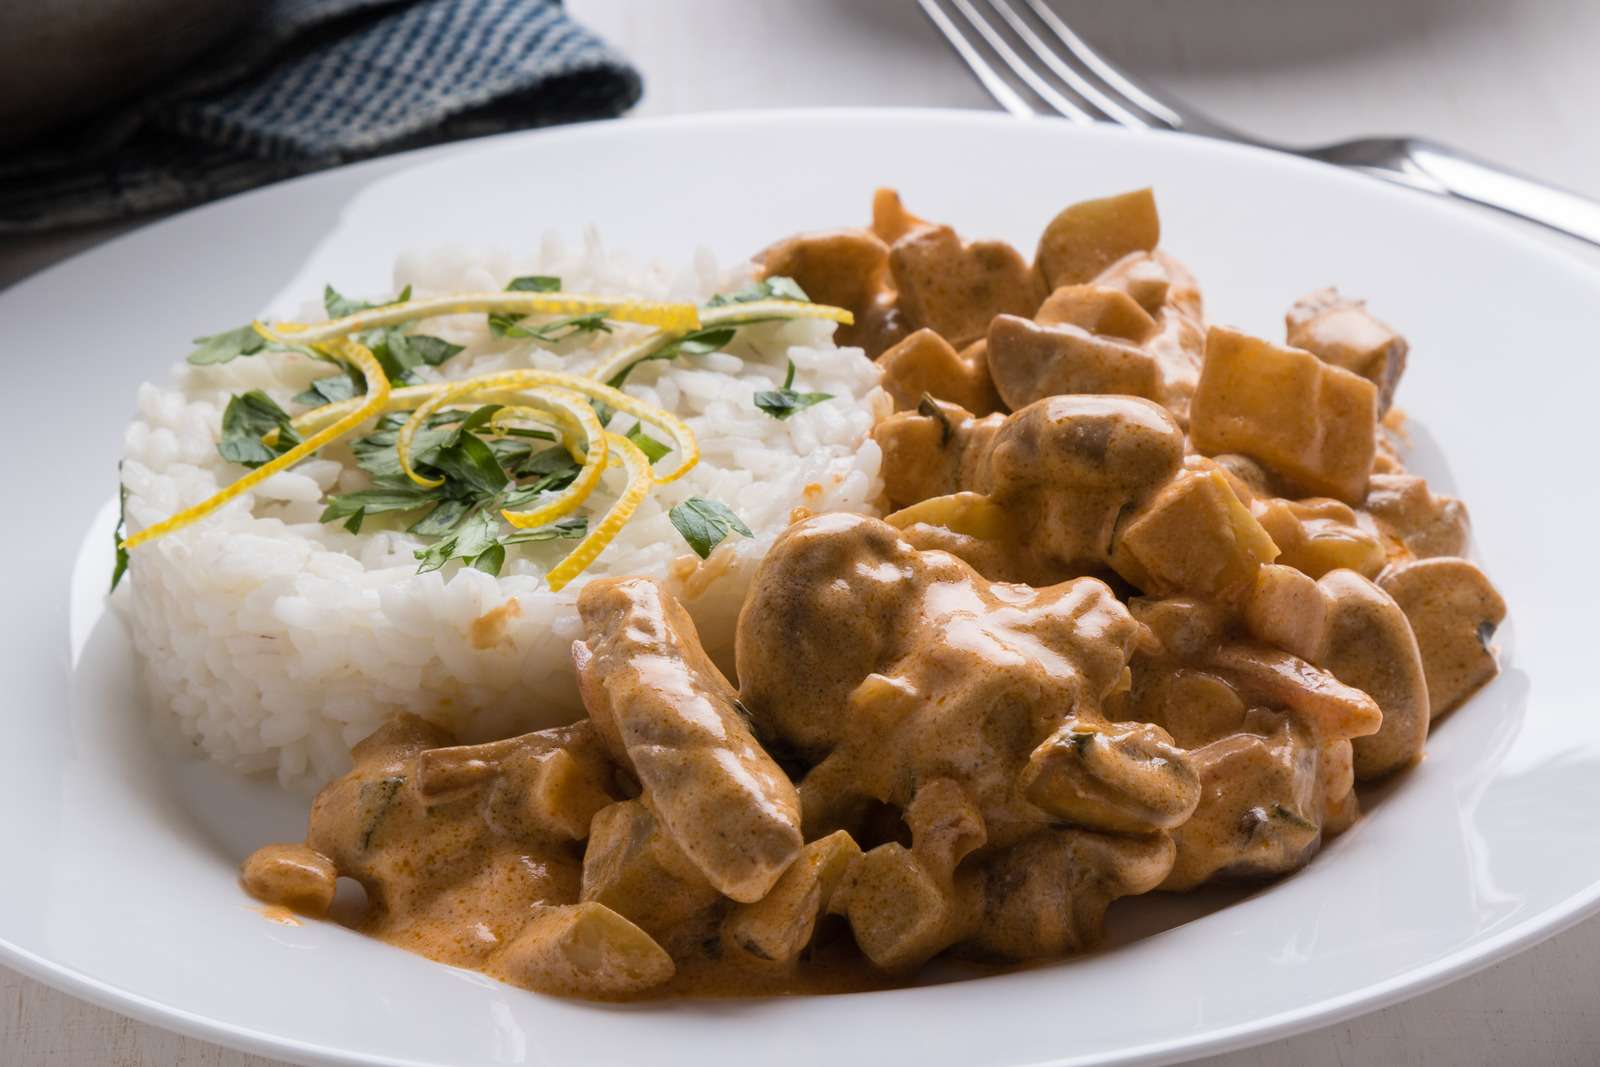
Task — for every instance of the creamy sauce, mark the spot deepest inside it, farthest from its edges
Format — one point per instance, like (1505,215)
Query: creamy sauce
(1151,599)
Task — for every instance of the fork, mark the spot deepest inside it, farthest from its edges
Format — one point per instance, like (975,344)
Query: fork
(1050,62)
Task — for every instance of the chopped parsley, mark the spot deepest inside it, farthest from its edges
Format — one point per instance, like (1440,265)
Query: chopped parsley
(776,287)
(698,343)
(930,408)
(781,403)
(249,417)
(503,325)
(398,352)
(652,449)
(481,477)
(704,524)
(479,543)
(121,567)
(227,346)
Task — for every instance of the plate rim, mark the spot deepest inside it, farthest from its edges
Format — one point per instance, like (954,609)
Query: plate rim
(1457,964)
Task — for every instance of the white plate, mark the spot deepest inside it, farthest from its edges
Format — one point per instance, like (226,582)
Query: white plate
(119,859)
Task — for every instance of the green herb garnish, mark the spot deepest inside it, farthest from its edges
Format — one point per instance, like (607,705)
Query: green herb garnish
(781,403)
(385,790)
(704,523)
(116,535)
(355,506)
(227,346)
(470,462)
(929,407)
(398,352)
(556,329)
(503,325)
(481,477)
(478,542)
(776,287)
(249,417)
(338,306)
(698,343)
(652,449)
(333,389)
(1293,818)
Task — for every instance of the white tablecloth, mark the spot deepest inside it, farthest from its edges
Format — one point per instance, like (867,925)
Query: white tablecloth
(1511,80)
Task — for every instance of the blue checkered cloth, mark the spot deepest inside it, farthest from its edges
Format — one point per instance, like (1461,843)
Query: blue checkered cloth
(309,84)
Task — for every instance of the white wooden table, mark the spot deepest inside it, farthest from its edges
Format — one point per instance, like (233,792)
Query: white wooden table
(1512,80)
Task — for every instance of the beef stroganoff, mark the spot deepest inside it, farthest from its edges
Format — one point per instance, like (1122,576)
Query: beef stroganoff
(1059,594)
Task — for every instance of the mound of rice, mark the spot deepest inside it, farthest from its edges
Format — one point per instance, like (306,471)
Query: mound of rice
(275,642)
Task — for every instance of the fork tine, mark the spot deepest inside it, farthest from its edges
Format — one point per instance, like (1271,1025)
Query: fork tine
(1006,96)
(1074,79)
(1058,101)
(1110,76)
(1019,67)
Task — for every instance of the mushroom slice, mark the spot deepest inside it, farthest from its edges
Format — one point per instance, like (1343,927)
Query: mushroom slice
(1260,814)
(1029,362)
(293,876)
(1087,237)
(551,782)
(1328,708)
(955,289)
(666,712)
(1048,895)
(1367,643)
(1454,611)
(1122,777)
(846,268)
(1086,442)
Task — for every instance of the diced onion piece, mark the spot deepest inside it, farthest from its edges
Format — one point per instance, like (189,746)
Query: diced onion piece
(972,514)
(371,404)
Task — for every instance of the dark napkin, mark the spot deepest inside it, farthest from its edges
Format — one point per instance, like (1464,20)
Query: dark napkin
(309,84)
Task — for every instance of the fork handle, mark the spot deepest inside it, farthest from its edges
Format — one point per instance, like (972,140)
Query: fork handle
(1451,172)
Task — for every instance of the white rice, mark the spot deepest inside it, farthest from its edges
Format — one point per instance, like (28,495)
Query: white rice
(275,642)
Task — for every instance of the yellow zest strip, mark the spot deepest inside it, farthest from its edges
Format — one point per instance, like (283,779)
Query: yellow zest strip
(513,385)
(727,315)
(376,396)
(757,310)
(567,433)
(593,543)
(401,399)
(596,456)
(634,353)
(648,312)
(530,384)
